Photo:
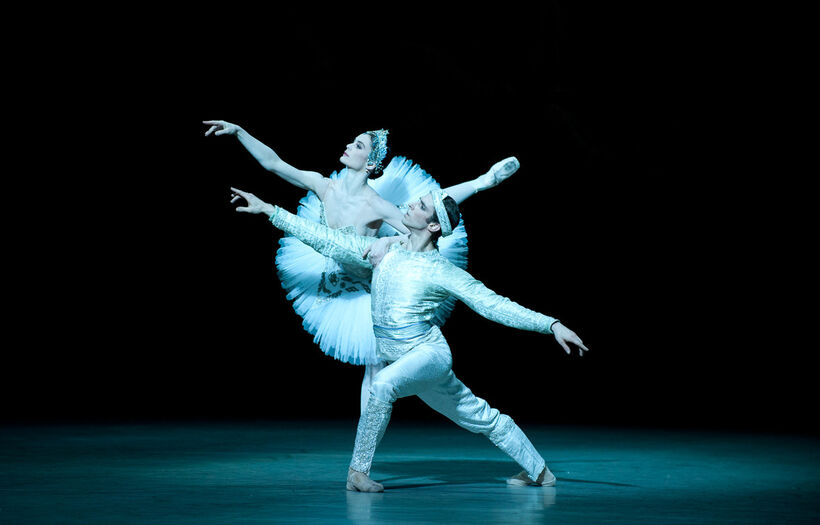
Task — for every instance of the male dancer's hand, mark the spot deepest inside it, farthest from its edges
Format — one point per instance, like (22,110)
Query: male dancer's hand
(564,335)
(379,248)
(220,127)
(255,204)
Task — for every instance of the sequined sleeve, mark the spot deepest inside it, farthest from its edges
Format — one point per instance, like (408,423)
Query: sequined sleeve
(344,247)
(487,303)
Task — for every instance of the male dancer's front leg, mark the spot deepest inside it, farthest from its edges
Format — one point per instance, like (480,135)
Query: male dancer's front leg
(370,372)
(412,373)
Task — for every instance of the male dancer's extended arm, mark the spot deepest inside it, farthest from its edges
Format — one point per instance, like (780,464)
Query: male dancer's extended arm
(494,307)
(344,247)
(489,304)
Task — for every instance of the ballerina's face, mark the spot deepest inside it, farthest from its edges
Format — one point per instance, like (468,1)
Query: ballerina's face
(356,153)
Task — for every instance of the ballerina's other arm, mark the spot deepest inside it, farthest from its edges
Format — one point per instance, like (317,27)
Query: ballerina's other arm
(268,159)
(389,212)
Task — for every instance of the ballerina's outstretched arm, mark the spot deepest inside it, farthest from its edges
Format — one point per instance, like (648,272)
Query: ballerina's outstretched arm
(264,155)
(499,172)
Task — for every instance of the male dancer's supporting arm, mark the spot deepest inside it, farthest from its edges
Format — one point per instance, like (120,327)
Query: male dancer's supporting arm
(503,310)
(343,247)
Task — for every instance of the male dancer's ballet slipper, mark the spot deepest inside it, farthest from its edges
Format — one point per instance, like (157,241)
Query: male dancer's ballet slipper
(500,172)
(361,482)
(545,479)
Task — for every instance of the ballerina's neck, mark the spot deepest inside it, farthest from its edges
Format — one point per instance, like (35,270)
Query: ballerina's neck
(354,181)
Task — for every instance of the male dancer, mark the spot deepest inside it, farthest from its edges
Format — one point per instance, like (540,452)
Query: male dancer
(409,282)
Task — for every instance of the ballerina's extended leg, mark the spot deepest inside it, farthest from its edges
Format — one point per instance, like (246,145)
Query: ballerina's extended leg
(500,172)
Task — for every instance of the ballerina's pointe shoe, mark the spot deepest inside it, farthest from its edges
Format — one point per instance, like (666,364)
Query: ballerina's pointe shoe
(500,172)
(361,482)
(545,479)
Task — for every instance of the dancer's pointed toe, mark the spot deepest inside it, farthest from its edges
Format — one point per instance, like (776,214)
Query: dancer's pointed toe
(503,170)
(500,172)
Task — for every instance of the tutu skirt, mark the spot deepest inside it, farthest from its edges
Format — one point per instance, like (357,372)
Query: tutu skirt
(334,301)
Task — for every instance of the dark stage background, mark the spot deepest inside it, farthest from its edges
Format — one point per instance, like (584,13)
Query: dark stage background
(645,215)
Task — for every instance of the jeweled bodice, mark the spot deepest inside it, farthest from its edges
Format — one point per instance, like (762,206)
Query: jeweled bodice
(352,278)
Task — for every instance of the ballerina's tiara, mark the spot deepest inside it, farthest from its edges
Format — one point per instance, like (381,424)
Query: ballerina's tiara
(441,212)
(379,149)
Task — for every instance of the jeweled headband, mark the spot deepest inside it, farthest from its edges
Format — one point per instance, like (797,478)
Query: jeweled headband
(441,211)
(379,148)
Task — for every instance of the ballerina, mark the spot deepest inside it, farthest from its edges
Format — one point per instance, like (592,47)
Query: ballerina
(333,298)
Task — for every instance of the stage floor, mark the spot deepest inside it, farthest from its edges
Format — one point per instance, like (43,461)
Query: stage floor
(294,472)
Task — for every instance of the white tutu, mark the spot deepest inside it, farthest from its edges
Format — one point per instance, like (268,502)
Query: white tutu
(333,302)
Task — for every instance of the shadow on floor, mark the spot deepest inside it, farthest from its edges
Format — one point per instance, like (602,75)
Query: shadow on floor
(458,472)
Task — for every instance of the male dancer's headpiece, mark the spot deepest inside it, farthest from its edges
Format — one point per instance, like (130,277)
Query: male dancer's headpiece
(441,212)
(379,149)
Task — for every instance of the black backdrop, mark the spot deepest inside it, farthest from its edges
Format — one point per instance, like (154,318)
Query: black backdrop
(635,217)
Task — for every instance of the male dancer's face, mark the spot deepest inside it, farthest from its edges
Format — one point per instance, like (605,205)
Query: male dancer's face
(419,213)
(356,153)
